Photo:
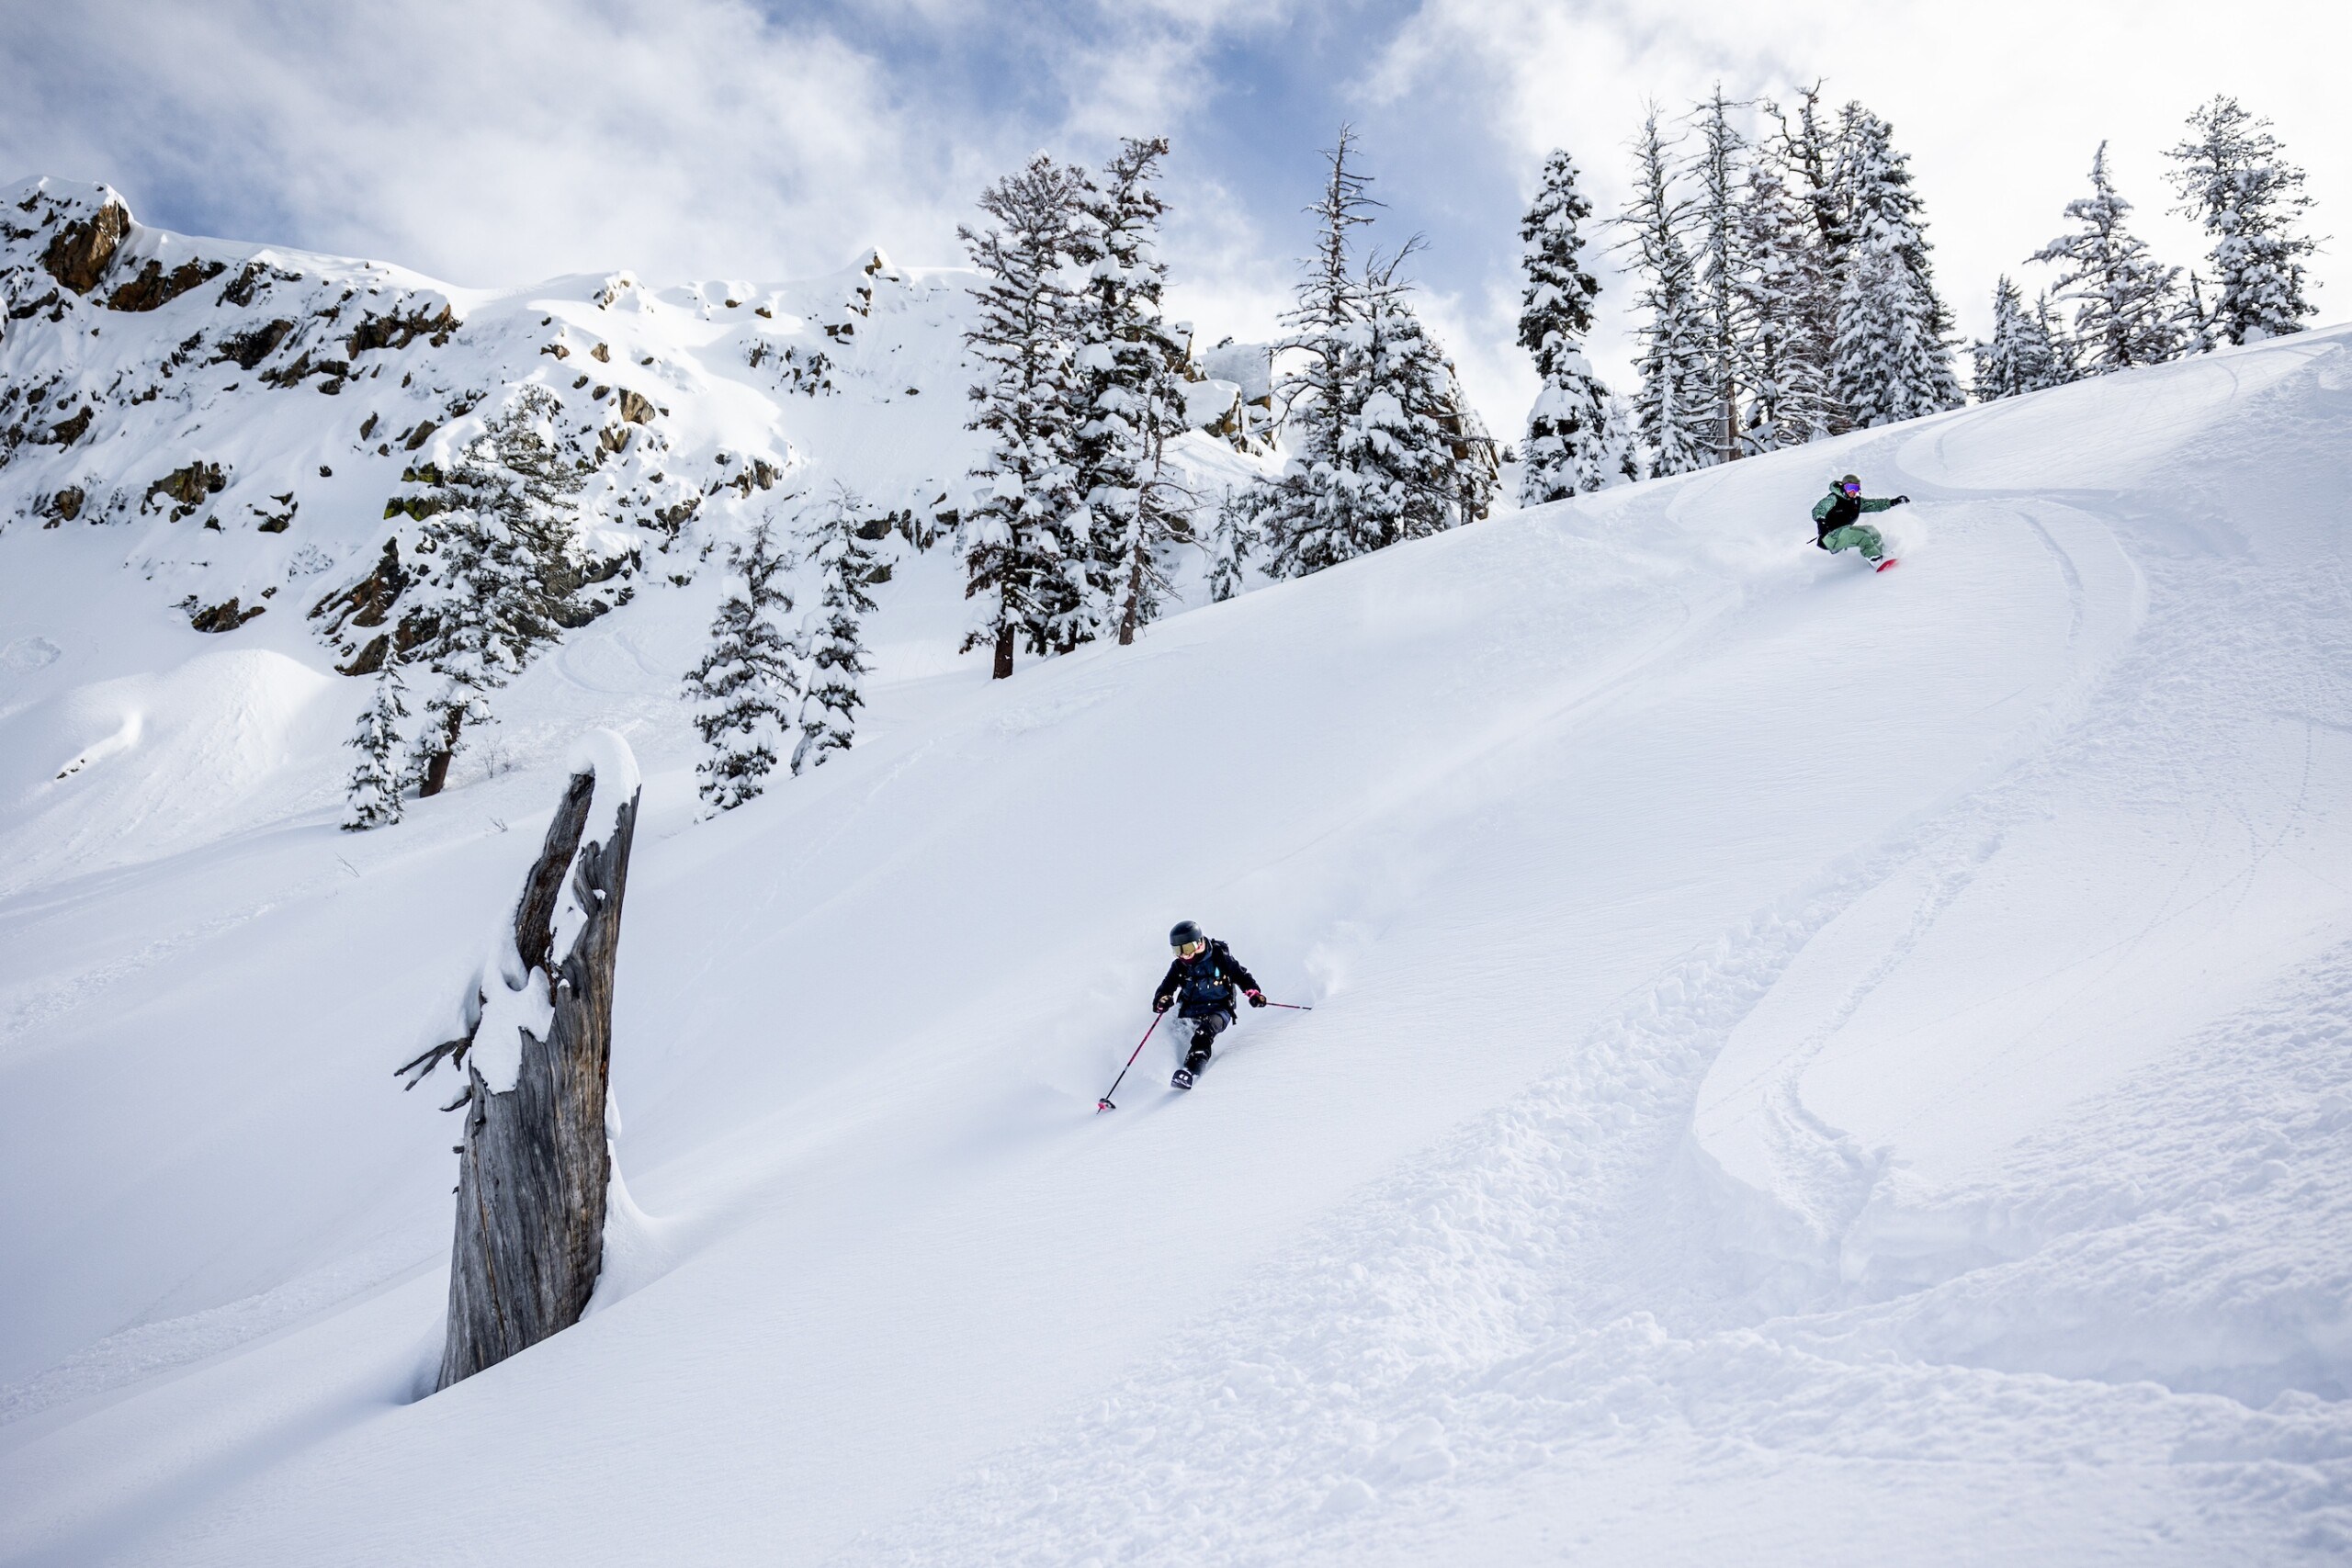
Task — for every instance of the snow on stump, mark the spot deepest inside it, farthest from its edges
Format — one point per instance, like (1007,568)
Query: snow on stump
(537,1157)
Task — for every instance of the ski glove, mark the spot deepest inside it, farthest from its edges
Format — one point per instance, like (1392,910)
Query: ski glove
(1902,501)
(1256,1000)
(1162,1004)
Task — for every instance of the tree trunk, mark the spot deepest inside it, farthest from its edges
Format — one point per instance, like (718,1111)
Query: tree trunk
(436,767)
(1004,669)
(531,1190)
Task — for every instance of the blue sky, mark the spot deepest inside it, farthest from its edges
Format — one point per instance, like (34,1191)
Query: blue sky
(498,143)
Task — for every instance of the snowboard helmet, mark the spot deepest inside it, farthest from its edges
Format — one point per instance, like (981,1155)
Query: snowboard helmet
(1185,933)
(1852,482)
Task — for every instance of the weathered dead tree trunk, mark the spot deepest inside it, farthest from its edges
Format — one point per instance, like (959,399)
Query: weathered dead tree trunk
(531,1189)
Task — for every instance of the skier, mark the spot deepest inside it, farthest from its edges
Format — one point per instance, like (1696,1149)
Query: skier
(1833,523)
(1202,979)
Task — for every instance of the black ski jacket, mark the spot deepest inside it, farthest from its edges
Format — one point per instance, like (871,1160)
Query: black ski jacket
(1836,509)
(1203,985)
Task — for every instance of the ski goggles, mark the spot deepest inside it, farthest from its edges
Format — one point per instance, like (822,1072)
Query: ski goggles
(1851,490)
(1191,949)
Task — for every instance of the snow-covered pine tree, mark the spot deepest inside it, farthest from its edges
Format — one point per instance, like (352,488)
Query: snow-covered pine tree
(1231,539)
(1786,311)
(834,643)
(1415,434)
(2019,356)
(2127,308)
(2233,178)
(744,692)
(1717,229)
(2050,328)
(372,796)
(1804,152)
(1567,450)
(1304,517)
(1130,402)
(1674,412)
(499,569)
(1025,567)
(1892,359)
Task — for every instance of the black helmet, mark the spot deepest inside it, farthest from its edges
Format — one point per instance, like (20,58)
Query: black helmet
(1186,931)
(1850,480)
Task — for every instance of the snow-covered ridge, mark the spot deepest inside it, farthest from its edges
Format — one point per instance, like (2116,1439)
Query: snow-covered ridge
(260,418)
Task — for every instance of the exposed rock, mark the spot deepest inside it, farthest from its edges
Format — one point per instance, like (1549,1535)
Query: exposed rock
(420,435)
(65,505)
(154,287)
(66,432)
(367,602)
(278,522)
(80,252)
(634,408)
(221,617)
(249,348)
(189,487)
(367,426)
(253,278)
(559,350)
(600,354)
(398,331)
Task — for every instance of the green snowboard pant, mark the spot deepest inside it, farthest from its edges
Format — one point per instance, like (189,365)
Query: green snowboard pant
(1856,536)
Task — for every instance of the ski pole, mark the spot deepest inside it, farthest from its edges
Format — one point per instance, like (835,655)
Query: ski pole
(1104,1103)
(1294,1007)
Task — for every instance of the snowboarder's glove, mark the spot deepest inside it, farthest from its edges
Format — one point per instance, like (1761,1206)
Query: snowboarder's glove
(1162,1004)
(1257,1000)
(1902,501)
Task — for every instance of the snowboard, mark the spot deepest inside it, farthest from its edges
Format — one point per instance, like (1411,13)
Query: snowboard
(1889,564)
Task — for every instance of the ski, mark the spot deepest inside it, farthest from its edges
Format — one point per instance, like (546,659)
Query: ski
(1183,1079)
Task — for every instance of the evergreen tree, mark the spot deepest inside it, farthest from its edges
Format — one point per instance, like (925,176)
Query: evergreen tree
(1892,359)
(1025,562)
(1130,399)
(2019,356)
(744,691)
(499,570)
(1567,449)
(1673,411)
(1786,310)
(1231,540)
(1304,517)
(846,566)
(2234,179)
(1804,156)
(2128,310)
(1721,265)
(1387,447)
(372,798)
(2065,354)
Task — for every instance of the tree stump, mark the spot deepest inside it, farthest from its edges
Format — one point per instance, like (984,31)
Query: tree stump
(531,1190)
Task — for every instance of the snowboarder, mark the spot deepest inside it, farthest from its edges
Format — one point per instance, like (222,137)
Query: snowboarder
(1199,985)
(1834,524)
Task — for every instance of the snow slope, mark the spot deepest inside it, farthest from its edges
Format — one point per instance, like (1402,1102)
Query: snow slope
(1807,1067)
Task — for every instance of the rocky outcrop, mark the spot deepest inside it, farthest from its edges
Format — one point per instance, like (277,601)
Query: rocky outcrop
(188,488)
(80,252)
(154,287)
(224,616)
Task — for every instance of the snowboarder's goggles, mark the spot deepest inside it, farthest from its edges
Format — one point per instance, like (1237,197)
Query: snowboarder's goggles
(1191,949)
(1851,490)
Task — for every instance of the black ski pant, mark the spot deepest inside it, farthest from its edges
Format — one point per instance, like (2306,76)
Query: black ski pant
(1205,1029)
